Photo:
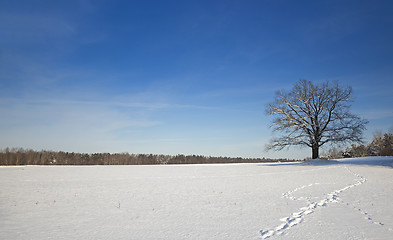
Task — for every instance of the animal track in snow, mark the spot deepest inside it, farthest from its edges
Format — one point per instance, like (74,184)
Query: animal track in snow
(297,217)
(366,215)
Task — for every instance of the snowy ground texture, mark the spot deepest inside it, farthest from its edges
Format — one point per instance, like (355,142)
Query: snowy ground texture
(346,199)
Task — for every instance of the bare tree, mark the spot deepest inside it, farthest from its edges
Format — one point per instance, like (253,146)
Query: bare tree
(313,115)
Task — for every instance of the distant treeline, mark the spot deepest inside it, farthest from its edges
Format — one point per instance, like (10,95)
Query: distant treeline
(381,145)
(20,156)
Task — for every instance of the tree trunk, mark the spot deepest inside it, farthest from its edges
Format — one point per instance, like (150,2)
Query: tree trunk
(315,152)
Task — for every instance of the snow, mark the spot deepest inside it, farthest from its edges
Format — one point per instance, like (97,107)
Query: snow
(319,199)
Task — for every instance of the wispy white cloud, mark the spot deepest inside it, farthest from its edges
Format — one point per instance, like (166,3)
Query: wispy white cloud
(376,113)
(62,118)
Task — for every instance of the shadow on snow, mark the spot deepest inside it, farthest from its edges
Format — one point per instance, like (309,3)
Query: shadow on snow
(368,161)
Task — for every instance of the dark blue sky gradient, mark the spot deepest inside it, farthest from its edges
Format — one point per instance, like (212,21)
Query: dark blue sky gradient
(189,77)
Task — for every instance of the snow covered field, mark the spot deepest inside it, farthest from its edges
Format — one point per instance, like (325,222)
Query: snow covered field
(347,199)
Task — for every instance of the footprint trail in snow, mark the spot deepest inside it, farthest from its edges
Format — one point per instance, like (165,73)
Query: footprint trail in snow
(297,217)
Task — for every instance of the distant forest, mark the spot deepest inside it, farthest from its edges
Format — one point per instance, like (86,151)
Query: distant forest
(381,145)
(20,156)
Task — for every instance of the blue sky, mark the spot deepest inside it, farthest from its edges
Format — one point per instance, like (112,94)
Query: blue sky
(182,77)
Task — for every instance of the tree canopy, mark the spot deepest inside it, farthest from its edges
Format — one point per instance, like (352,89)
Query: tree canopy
(313,115)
